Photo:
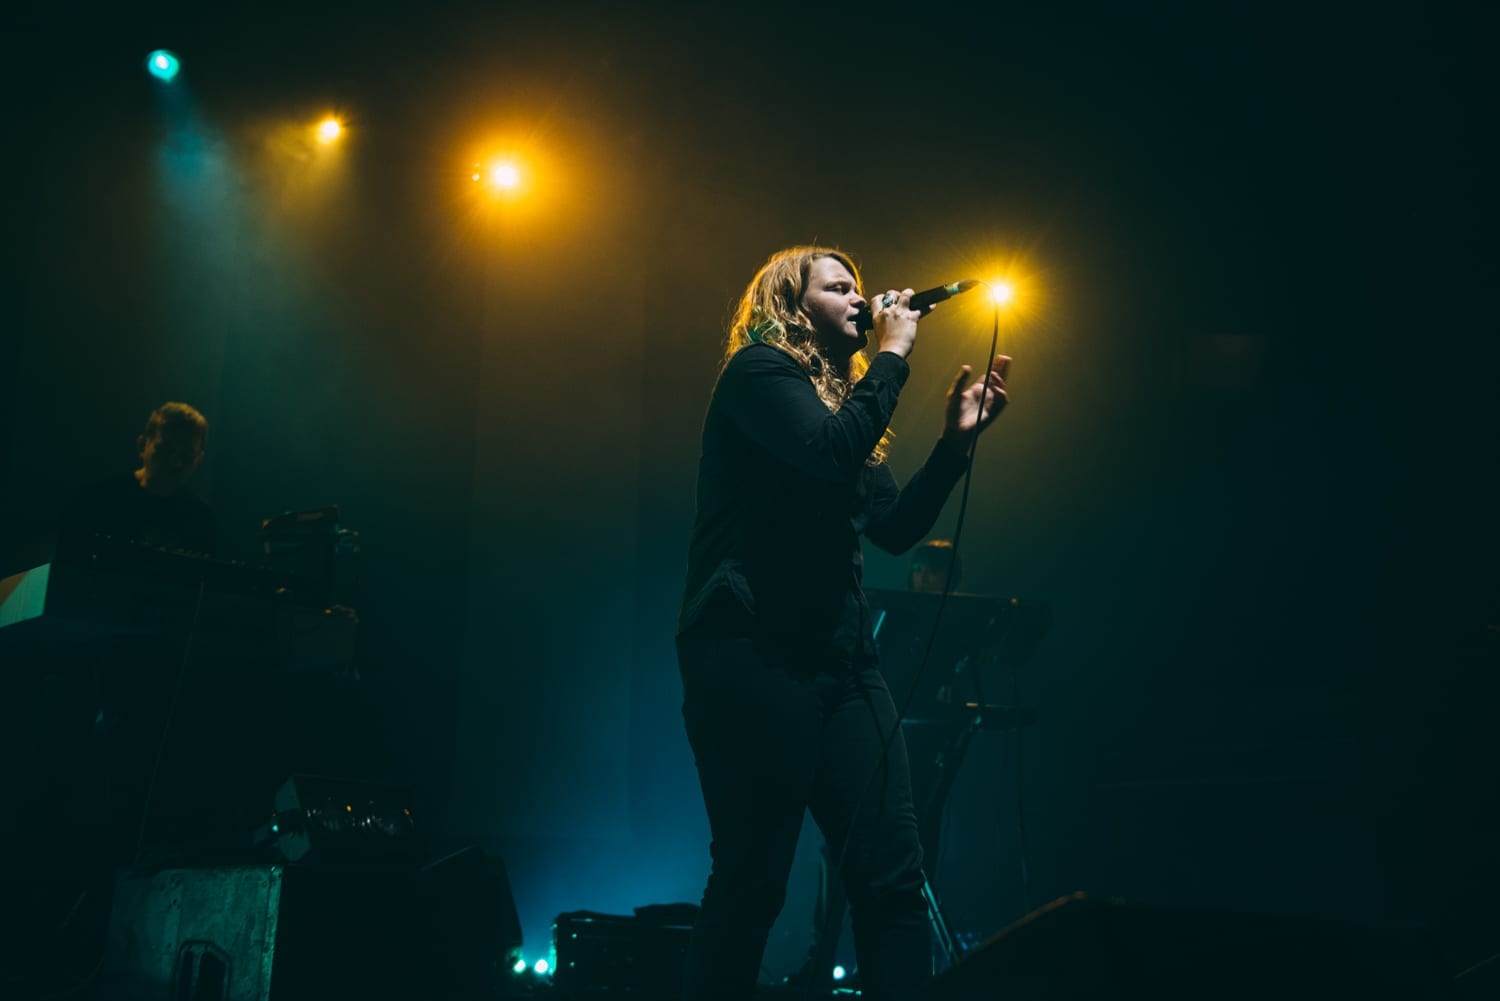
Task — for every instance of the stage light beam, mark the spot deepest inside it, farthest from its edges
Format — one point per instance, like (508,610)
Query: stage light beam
(163,65)
(329,129)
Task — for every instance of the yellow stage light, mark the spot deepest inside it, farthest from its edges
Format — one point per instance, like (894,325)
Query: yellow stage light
(505,176)
(499,177)
(503,184)
(330,129)
(1016,284)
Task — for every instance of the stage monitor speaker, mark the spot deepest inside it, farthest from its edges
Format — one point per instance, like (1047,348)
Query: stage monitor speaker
(472,922)
(1082,949)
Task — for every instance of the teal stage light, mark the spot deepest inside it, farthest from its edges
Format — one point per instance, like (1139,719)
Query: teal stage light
(163,65)
(839,973)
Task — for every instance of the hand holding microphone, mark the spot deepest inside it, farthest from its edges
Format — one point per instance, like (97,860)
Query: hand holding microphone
(895,322)
(902,306)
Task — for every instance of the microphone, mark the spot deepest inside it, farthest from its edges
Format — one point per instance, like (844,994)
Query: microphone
(933,296)
(921,300)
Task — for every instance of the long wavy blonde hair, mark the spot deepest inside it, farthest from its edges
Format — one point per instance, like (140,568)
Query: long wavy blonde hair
(770,312)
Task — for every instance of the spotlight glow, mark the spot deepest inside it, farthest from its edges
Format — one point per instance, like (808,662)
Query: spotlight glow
(330,129)
(839,973)
(1016,283)
(541,967)
(520,967)
(505,176)
(163,65)
(503,180)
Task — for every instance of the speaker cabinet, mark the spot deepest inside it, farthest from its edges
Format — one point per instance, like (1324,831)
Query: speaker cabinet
(289,932)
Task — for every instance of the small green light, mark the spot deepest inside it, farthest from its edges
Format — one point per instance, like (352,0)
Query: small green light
(275,828)
(541,967)
(520,966)
(163,65)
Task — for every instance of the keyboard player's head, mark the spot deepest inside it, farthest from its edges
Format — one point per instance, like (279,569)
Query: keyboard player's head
(171,447)
(935,567)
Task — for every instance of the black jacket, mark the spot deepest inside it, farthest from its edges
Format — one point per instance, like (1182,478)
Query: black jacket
(785,492)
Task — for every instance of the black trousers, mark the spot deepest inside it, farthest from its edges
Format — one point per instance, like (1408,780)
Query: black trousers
(774,737)
(924,743)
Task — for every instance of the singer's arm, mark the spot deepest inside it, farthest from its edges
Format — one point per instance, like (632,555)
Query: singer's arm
(899,518)
(770,399)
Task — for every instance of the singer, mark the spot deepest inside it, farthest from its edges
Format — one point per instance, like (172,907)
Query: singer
(783,704)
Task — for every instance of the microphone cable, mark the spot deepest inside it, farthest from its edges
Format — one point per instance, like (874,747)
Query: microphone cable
(838,859)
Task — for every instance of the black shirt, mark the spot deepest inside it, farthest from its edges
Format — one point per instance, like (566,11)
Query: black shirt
(121,508)
(785,492)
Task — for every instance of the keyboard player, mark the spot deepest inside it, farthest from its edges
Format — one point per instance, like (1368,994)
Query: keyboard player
(86,713)
(152,505)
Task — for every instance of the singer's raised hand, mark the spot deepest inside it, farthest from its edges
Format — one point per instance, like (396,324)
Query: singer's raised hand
(963,418)
(896,324)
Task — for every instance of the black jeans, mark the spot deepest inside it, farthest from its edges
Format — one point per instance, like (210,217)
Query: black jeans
(924,743)
(773,738)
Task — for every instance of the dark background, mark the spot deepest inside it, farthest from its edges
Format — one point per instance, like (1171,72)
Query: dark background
(1249,460)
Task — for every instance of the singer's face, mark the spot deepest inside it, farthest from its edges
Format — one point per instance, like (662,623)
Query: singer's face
(832,301)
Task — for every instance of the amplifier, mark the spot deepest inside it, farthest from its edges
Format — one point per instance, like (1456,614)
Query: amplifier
(264,933)
(641,954)
(445,932)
